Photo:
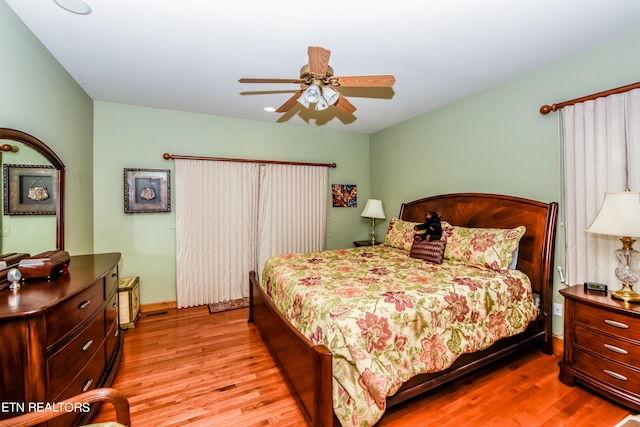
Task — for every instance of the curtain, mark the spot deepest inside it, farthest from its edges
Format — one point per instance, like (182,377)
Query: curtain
(601,141)
(216,206)
(293,210)
(231,216)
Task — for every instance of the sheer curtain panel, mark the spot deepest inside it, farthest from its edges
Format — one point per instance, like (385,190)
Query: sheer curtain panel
(216,229)
(601,140)
(293,210)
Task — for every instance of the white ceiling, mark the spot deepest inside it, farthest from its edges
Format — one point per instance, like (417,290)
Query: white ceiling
(188,55)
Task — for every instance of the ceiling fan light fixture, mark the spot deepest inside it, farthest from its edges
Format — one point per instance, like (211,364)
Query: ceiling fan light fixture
(312,94)
(317,83)
(330,95)
(304,101)
(321,104)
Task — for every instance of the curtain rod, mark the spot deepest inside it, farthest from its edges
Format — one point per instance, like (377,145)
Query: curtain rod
(546,109)
(168,156)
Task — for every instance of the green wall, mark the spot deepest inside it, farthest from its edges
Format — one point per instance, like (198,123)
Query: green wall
(497,141)
(137,137)
(40,98)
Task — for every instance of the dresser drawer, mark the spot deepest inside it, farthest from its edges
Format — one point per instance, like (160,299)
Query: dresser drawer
(607,371)
(113,329)
(63,319)
(111,283)
(111,342)
(112,310)
(77,353)
(609,347)
(87,379)
(608,322)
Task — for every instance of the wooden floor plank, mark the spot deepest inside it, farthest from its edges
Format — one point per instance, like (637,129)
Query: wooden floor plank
(189,367)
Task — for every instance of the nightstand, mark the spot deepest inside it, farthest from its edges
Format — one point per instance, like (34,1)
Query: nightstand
(359,243)
(602,345)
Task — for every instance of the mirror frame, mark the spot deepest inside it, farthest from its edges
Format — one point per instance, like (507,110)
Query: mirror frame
(42,148)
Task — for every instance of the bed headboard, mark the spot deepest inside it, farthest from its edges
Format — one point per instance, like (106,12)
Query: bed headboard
(536,250)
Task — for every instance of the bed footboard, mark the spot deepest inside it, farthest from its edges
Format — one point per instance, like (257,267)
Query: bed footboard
(305,367)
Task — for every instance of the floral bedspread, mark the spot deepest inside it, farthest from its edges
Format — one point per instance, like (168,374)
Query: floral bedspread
(387,317)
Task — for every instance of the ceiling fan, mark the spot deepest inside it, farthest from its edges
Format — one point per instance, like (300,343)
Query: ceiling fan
(319,86)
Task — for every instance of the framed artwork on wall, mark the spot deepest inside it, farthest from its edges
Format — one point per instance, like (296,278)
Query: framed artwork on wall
(344,195)
(147,190)
(30,190)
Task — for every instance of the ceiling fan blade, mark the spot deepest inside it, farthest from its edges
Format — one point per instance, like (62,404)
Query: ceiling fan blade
(344,105)
(318,60)
(295,81)
(383,80)
(289,103)
(267,92)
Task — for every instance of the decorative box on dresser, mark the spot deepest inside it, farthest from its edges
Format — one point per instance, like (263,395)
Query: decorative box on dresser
(602,345)
(60,337)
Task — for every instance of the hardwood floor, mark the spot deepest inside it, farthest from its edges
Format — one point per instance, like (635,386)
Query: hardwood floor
(189,367)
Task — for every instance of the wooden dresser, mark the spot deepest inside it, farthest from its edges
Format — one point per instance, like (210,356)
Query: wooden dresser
(602,345)
(60,337)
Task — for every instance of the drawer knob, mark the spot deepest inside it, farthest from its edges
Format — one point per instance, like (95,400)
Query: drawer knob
(616,324)
(87,345)
(615,375)
(84,304)
(615,349)
(87,385)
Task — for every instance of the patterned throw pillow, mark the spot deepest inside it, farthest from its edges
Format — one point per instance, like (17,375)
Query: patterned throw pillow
(400,234)
(491,248)
(430,251)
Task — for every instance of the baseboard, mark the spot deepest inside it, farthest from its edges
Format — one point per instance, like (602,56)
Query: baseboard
(158,306)
(557,346)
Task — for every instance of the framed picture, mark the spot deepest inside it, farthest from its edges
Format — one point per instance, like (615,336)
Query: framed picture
(147,190)
(344,195)
(30,190)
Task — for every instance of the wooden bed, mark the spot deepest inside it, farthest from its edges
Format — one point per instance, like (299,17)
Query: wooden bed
(307,369)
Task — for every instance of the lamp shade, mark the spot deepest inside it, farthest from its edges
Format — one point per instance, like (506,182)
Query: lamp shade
(312,94)
(321,104)
(304,101)
(373,209)
(619,215)
(330,95)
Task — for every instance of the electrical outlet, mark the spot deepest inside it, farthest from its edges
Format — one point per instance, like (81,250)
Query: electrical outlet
(557,309)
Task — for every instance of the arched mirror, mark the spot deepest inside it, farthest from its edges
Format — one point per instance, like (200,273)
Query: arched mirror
(33,178)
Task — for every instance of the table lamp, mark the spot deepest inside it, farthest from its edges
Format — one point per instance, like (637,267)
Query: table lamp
(620,216)
(373,210)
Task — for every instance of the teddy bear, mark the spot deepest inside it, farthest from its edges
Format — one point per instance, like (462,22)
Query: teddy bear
(430,230)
